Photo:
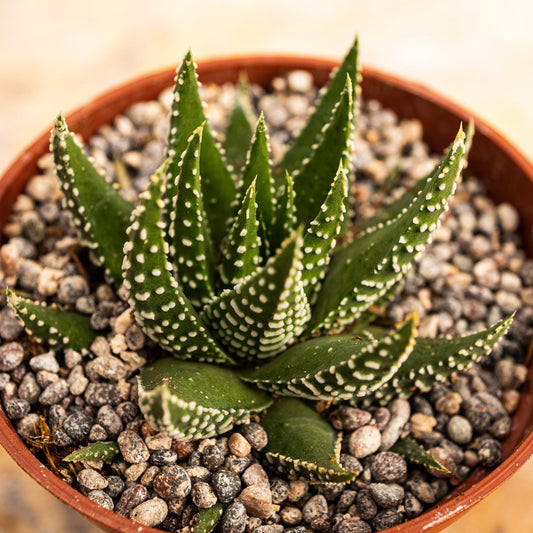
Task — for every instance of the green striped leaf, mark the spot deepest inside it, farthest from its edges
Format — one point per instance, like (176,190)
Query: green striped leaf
(435,360)
(98,210)
(363,271)
(186,400)
(312,181)
(96,451)
(302,443)
(161,308)
(57,328)
(336,367)
(241,249)
(217,184)
(266,311)
(412,451)
(191,247)
(300,149)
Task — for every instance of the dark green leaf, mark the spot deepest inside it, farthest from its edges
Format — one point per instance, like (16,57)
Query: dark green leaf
(301,442)
(98,210)
(187,400)
(207,519)
(412,451)
(55,327)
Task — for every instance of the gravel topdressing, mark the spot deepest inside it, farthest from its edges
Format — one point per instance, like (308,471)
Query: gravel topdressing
(474,273)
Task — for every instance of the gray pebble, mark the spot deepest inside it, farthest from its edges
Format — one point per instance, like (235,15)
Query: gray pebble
(71,288)
(78,425)
(203,496)
(164,457)
(459,429)
(366,506)
(98,394)
(91,479)
(132,447)
(255,435)
(108,418)
(315,507)
(16,408)
(279,489)
(11,355)
(490,453)
(412,505)
(234,519)
(386,495)
(107,367)
(46,361)
(389,467)
(213,457)
(386,519)
(227,485)
(354,525)
(54,392)
(29,389)
(364,441)
(115,486)
(150,512)
(101,498)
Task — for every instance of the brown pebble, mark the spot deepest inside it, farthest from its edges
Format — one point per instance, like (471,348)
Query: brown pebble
(256,475)
(257,500)
(238,445)
(184,449)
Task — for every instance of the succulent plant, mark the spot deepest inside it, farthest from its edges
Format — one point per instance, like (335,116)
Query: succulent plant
(253,281)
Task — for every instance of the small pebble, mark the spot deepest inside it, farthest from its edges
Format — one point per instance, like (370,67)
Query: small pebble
(238,445)
(234,518)
(101,498)
(257,499)
(364,441)
(11,355)
(459,429)
(203,496)
(227,485)
(91,479)
(172,482)
(150,512)
(386,495)
(255,435)
(132,447)
(389,467)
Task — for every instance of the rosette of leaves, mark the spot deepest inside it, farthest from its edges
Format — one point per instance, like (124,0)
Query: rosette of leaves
(242,275)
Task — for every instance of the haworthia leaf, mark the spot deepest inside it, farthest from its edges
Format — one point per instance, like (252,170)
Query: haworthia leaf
(240,128)
(267,310)
(311,133)
(217,184)
(241,249)
(412,451)
(186,400)
(336,367)
(207,519)
(166,314)
(191,246)
(98,210)
(436,360)
(257,167)
(320,237)
(312,181)
(301,442)
(363,271)
(285,216)
(97,451)
(55,327)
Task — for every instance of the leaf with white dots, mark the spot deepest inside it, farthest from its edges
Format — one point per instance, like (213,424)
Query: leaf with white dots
(57,328)
(364,270)
(436,360)
(160,306)
(241,249)
(190,246)
(412,451)
(312,181)
(240,127)
(285,214)
(302,443)
(206,519)
(98,210)
(257,168)
(217,184)
(301,149)
(336,367)
(320,237)
(187,400)
(266,311)
(96,451)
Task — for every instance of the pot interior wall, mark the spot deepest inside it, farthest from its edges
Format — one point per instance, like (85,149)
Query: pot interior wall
(506,173)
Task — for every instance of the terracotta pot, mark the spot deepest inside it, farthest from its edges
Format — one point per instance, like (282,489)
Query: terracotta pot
(507,174)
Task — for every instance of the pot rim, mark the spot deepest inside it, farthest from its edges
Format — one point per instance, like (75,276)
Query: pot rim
(437,517)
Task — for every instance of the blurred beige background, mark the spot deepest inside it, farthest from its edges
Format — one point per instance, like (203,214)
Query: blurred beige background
(57,54)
